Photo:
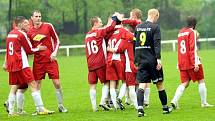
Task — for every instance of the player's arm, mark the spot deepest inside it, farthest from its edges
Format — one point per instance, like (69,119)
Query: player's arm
(137,52)
(192,50)
(56,41)
(116,19)
(4,66)
(157,46)
(25,41)
(130,22)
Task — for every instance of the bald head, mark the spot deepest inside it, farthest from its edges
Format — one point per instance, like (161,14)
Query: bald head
(153,15)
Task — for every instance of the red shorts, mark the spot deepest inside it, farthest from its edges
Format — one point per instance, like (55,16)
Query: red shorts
(21,77)
(187,75)
(130,78)
(40,70)
(94,75)
(115,70)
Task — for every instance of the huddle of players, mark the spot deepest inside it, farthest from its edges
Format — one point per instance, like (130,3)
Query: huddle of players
(116,61)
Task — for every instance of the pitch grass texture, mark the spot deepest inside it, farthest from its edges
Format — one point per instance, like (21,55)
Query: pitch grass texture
(73,74)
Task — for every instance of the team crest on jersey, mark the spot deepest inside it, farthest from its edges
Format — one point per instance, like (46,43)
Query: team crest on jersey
(39,37)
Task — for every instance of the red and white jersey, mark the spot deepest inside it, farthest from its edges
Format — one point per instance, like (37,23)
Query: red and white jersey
(187,49)
(115,40)
(96,46)
(18,46)
(132,23)
(127,46)
(46,36)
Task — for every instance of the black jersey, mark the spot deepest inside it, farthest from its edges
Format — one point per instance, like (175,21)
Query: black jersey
(148,43)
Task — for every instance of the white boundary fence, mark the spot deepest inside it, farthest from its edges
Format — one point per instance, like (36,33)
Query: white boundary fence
(173,42)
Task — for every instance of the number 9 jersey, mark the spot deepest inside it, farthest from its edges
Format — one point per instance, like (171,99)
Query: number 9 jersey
(187,49)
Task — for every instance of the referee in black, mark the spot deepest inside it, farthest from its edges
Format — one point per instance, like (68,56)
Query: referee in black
(148,59)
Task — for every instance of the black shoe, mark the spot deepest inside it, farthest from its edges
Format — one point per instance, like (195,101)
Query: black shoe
(119,102)
(6,105)
(167,110)
(104,107)
(141,113)
(174,106)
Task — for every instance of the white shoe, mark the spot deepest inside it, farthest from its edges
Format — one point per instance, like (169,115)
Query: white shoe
(206,105)
(62,109)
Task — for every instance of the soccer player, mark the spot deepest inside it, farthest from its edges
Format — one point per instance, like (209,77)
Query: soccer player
(133,21)
(96,57)
(43,33)
(148,59)
(189,63)
(126,47)
(16,63)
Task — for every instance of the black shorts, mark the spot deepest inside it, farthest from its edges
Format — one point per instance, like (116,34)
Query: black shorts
(148,72)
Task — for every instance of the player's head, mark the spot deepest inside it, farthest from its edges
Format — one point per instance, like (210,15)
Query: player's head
(36,17)
(191,22)
(136,13)
(21,22)
(153,14)
(96,22)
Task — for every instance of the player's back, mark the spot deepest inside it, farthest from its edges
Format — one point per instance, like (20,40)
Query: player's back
(95,49)
(114,41)
(16,55)
(186,48)
(148,37)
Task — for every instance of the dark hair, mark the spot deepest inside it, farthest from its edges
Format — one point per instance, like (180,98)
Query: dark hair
(19,19)
(191,22)
(35,11)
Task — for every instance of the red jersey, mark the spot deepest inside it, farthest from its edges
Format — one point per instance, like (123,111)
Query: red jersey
(115,40)
(17,47)
(46,36)
(132,23)
(187,49)
(96,48)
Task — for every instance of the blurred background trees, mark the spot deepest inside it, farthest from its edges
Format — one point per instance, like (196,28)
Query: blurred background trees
(71,17)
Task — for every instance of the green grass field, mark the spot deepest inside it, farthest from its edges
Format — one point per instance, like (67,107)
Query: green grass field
(73,74)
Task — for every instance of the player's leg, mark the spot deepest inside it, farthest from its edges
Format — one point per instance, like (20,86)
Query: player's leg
(122,92)
(40,110)
(12,99)
(147,94)
(20,100)
(199,75)
(92,81)
(53,72)
(113,93)
(140,98)
(105,92)
(131,83)
(185,79)
(101,73)
(26,76)
(163,97)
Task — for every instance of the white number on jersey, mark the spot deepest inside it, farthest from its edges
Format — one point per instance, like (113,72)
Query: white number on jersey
(182,47)
(92,47)
(10,48)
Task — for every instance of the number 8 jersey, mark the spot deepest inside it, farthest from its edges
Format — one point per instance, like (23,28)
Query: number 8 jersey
(187,49)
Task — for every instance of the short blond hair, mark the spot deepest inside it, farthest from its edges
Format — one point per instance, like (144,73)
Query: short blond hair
(153,12)
(137,12)
(93,20)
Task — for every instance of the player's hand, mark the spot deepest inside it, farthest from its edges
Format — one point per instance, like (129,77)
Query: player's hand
(110,50)
(159,65)
(196,68)
(4,66)
(41,47)
(136,67)
(53,56)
